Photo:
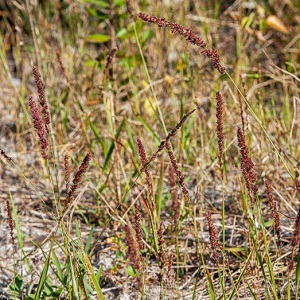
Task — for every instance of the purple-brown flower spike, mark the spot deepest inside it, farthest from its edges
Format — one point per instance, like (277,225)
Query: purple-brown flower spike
(39,126)
(77,179)
(143,159)
(42,97)
(220,134)
(247,165)
(213,237)
(189,36)
(274,212)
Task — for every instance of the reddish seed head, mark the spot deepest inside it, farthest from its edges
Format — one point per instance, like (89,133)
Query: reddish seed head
(39,126)
(296,235)
(143,159)
(129,9)
(10,222)
(42,97)
(77,179)
(189,36)
(220,134)
(213,236)
(2,153)
(274,212)
(178,173)
(247,165)
(110,57)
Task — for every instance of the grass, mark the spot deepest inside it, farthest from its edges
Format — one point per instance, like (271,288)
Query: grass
(151,171)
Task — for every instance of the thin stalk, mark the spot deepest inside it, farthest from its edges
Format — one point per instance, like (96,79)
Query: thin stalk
(150,81)
(260,124)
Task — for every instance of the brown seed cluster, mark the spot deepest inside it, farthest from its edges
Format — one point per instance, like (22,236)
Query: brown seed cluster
(178,173)
(39,125)
(137,227)
(247,165)
(296,235)
(143,159)
(161,257)
(214,56)
(77,179)
(10,221)
(129,9)
(134,255)
(110,57)
(213,237)
(57,52)
(42,97)
(67,172)
(2,153)
(274,212)
(168,137)
(220,135)
(189,36)
(175,202)
(187,33)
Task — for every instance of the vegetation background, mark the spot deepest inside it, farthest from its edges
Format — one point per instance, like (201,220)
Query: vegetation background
(86,223)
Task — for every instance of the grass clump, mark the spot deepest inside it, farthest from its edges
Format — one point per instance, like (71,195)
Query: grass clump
(185,177)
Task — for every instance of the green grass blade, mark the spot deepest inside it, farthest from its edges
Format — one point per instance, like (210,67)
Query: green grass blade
(43,277)
(89,239)
(97,135)
(150,130)
(93,277)
(58,267)
(112,145)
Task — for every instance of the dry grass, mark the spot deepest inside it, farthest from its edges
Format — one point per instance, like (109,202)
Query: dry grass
(163,154)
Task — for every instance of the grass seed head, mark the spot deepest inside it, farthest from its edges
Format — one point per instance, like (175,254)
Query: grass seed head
(10,221)
(247,165)
(143,159)
(213,237)
(42,97)
(39,126)
(220,134)
(274,212)
(189,36)
(178,173)
(77,179)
